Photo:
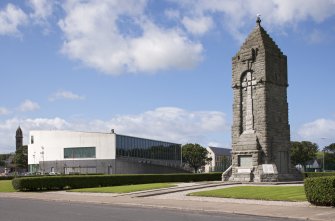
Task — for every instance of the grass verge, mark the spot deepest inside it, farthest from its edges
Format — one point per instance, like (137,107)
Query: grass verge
(6,186)
(125,189)
(276,193)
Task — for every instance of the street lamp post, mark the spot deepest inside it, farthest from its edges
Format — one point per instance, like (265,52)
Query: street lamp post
(34,165)
(42,153)
(323,138)
(324,160)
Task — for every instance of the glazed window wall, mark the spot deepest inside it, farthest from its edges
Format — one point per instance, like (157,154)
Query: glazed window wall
(144,148)
(79,152)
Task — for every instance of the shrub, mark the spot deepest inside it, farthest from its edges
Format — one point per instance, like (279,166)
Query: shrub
(320,191)
(6,177)
(86,181)
(318,174)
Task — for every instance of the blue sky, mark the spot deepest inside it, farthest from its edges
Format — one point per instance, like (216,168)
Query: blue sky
(156,69)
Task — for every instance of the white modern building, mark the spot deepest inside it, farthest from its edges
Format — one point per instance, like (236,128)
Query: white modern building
(221,159)
(70,152)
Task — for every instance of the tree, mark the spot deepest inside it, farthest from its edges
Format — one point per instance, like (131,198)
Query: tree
(302,152)
(195,156)
(21,158)
(330,148)
(329,157)
(3,158)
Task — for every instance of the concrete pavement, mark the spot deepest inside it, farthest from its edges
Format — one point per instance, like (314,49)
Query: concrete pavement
(179,201)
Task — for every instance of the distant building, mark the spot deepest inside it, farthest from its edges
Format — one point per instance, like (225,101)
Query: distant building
(311,166)
(19,138)
(221,159)
(70,152)
(7,164)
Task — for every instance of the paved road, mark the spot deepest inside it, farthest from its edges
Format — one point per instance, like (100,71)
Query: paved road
(37,210)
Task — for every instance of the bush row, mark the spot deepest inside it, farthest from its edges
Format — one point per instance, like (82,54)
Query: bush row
(86,181)
(318,174)
(6,177)
(320,191)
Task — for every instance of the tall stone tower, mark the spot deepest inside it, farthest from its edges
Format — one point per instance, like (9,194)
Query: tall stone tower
(19,138)
(260,131)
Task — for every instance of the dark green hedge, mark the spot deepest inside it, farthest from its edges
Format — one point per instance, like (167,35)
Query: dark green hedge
(86,181)
(318,174)
(12,177)
(6,177)
(320,191)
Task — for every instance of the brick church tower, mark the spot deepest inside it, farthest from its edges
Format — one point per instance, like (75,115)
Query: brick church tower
(260,130)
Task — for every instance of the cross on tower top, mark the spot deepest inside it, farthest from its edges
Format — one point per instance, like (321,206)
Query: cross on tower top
(258,21)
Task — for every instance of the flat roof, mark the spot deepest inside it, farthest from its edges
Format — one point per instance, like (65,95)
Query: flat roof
(92,132)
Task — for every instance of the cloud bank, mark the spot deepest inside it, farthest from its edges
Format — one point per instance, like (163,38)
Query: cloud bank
(164,123)
(117,36)
(28,105)
(318,129)
(11,18)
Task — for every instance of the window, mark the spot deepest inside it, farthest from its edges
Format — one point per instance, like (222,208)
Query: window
(32,140)
(145,148)
(79,152)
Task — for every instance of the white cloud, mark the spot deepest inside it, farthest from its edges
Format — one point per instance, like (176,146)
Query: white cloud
(214,144)
(42,9)
(318,129)
(11,17)
(4,111)
(46,124)
(28,105)
(235,15)
(123,39)
(169,123)
(198,25)
(67,95)
(164,123)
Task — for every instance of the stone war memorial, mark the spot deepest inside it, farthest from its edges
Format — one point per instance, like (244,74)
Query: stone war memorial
(260,130)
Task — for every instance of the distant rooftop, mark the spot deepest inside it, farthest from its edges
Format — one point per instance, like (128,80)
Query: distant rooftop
(220,151)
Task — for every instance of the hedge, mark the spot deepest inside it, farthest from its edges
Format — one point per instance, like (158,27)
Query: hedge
(320,191)
(12,177)
(6,177)
(87,181)
(318,174)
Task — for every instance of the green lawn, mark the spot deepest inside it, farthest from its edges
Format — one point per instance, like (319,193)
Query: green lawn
(125,189)
(6,186)
(277,193)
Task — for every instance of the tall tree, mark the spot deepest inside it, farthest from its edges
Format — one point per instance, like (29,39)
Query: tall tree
(21,158)
(3,158)
(195,156)
(329,157)
(302,152)
(330,148)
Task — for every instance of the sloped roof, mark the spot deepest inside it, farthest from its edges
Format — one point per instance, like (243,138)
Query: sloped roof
(220,151)
(259,36)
